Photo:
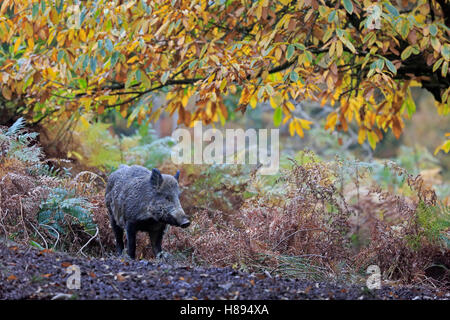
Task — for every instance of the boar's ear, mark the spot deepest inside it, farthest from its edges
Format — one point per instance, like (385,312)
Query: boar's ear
(177,175)
(156,179)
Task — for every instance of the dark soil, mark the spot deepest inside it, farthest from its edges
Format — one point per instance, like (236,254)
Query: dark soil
(27,273)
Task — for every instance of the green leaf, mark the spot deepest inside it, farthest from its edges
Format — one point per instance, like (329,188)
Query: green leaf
(404,30)
(109,45)
(406,53)
(341,35)
(348,5)
(380,64)
(293,75)
(60,6)
(300,46)
(35,10)
(331,16)
(277,116)
(130,77)
(165,77)
(308,56)
(437,64)
(82,83)
(444,69)
(372,69)
(37,245)
(269,89)
(371,138)
(85,62)
(192,64)
(409,104)
(433,30)
(392,10)
(114,58)
(138,75)
(93,64)
(391,66)
(445,51)
(290,52)
(60,55)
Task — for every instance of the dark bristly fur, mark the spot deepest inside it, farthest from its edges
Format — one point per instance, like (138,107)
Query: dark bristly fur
(138,199)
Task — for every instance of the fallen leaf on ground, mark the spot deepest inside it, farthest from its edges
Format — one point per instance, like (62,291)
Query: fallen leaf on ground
(120,277)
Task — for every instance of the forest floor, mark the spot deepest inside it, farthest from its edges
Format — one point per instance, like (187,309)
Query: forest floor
(29,273)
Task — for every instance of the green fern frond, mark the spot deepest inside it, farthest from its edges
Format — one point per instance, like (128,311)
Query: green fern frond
(16,127)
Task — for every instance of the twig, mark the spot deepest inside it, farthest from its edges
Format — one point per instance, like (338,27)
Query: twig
(35,229)
(81,249)
(45,225)
(300,230)
(23,221)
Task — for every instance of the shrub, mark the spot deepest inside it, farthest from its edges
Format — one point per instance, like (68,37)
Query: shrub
(40,204)
(95,145)
(15,143)
(320,219)
(62,210)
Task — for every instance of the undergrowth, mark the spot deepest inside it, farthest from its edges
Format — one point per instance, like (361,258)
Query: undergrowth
(315,219)
(41,205)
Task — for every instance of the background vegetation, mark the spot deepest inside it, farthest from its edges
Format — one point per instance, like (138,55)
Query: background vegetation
(88,85)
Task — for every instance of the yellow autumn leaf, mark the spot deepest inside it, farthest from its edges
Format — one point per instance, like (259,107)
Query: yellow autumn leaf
(361,135)
(298,128)
(305,124)
(276,100)
(291,128)
(82,35)
(50,73)
(84,122)
(30,42)
(253,101)
(16,45)
(133,59)
(331,121)
(185,100)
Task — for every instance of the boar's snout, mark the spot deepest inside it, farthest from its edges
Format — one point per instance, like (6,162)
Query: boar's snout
(185,223)
(180,219)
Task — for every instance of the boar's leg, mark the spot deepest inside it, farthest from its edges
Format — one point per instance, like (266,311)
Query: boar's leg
(118,232)
(131,240)
(156,237)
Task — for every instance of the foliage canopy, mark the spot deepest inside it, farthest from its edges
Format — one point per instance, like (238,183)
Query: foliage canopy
(67,56)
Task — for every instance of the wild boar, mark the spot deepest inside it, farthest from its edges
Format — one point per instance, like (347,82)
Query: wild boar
(142,200)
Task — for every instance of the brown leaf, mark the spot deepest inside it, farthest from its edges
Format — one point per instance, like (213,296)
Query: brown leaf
(120,277)
(45,251)
(12,277)
(198,288)
(66,264)
(6,92)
